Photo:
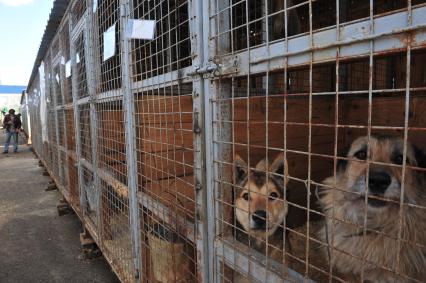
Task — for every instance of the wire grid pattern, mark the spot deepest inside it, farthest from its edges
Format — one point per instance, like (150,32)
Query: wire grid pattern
(53,143)
(65,53)
(85,131)
(116,230)
(70,136)
(73,184)
(54,47)
(165,157)
(91,197)
(310,114)
(56,88)
(48,80)
(171,48)
(111,139)
(63,172)
(279,92)
(61,127)
(81,67)
(107,16)
(78,10)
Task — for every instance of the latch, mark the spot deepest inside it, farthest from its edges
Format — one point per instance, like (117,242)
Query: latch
(213,69)
(210,67)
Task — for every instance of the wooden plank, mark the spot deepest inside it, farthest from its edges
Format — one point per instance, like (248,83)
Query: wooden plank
(162,165)
(161,109)
(165,138)
(178,194)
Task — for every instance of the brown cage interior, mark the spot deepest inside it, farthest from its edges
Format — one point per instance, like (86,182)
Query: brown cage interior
(111,139)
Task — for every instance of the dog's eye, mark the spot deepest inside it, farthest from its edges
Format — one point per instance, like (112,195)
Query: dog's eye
(246,196)
(361,155)
(399,159)
(273,196)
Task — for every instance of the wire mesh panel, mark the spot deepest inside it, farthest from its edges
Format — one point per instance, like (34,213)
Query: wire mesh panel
(77,11)
(66,63)
(61,127)
(70,135)
(54,49)
(85,131)
(73,182)
(111,139)
(63,172)
(91,198)
(164,143)
(52,145)
(316,191)
(81,67)
(116,230)
(165,164)
(108,18)
(56,88)
(170,50)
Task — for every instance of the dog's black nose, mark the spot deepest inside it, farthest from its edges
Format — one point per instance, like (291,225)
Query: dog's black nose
(259,218)
(378,182)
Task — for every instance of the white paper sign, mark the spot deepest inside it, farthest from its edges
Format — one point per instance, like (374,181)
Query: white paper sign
(95,5)
(77,58)
(109,43)
(63,60)
(57,78)
(141,29)
(68,69)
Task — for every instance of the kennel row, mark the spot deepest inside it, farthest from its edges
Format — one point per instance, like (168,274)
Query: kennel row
(227,148)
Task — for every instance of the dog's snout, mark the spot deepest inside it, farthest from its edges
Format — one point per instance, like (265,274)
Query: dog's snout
(378,182)
(259,218)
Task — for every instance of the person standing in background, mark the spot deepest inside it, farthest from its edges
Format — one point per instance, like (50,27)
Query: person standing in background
(12,124)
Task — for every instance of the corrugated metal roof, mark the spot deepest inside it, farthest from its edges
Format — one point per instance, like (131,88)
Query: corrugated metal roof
(12,89)
(56,15)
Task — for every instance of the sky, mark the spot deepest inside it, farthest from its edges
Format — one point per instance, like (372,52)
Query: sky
(22,24)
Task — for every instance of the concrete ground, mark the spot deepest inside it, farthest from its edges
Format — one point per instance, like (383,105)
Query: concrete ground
(36,245)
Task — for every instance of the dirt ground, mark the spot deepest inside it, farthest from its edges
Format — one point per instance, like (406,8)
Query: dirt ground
(37,245)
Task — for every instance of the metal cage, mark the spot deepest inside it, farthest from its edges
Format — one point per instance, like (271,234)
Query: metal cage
(248,141)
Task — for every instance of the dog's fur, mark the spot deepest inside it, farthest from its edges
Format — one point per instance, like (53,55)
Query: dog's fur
(344,200)
(260,208)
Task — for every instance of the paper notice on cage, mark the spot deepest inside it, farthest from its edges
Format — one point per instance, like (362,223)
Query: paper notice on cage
(109,43)
(62,60)
(141,29)
(57,78)
(68,69)
(95,5)
(77,58)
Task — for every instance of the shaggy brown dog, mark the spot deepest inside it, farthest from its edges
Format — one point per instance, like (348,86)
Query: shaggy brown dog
(350,207)
(259,205)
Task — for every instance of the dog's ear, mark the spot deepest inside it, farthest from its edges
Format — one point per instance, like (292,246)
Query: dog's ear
(240,169)
(279,166)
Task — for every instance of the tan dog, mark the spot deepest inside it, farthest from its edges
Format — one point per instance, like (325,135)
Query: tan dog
(259,205)
(375,252)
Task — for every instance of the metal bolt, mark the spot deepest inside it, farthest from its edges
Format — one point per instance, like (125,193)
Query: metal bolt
(197,129)
(198,186)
